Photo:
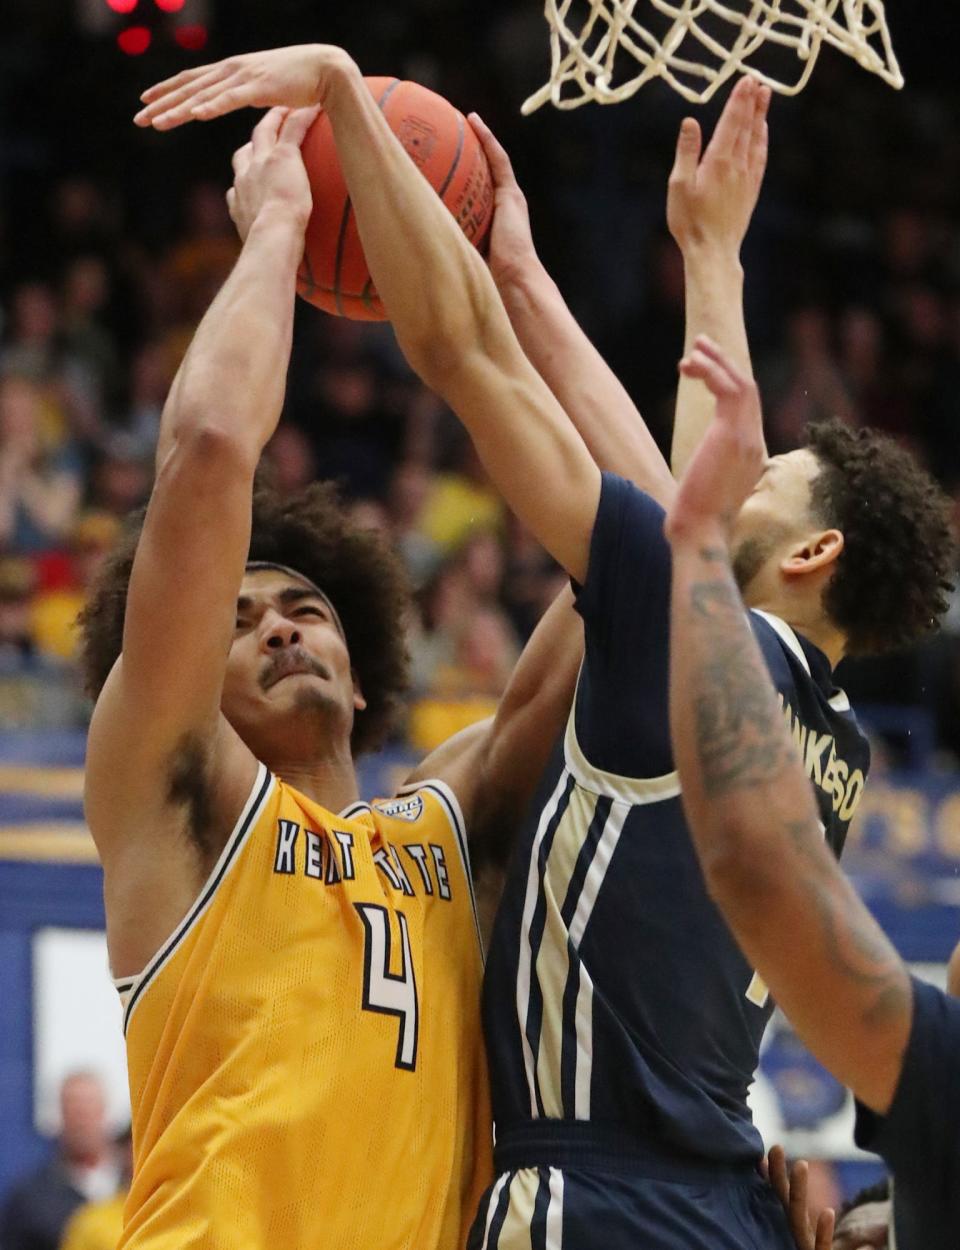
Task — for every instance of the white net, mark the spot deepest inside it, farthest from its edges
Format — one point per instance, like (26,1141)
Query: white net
(605,50)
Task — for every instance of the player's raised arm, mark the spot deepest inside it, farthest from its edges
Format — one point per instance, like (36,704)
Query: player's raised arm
(445,309)
(161,702)
(709,206)
(585,385)
(747,801)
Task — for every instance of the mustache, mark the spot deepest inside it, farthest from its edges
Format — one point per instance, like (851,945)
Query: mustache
(287,661)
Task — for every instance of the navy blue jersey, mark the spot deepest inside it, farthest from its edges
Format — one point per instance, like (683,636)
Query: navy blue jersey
(919,1138)
(614,992)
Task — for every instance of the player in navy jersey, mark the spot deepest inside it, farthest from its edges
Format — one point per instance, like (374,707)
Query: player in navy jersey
(622,1022)
(894,1040)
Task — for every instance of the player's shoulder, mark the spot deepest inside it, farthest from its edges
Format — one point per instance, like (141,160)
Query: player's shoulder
(427,803)
(780,647)
(622,498)
(936,1026)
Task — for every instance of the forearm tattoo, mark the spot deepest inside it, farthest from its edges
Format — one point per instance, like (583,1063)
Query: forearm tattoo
(855,945)
(741,742)
(740,738)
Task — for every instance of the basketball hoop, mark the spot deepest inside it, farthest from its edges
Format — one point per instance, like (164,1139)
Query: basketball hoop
(696,45)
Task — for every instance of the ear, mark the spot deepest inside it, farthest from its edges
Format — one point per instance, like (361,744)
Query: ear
(359,702)
(814,553)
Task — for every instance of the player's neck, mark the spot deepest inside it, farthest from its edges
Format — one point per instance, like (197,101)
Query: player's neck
(331,782)
(807,619)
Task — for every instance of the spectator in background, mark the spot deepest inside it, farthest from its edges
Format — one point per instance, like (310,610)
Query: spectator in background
(532,580)
(121,477)
(18,580)
(466,650)
(85,337)
(198,264)
(355,438)
(803,383)
(865,366)
(84,1169)
(34,348)
(98,1225)
(151,374)
(40,477)
(291,458)
(406,500)
(461,501)
(55,606)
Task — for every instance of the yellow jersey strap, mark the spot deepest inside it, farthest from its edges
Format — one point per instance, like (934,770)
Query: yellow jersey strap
(449,804)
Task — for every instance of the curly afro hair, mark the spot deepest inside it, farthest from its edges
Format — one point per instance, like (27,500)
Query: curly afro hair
(895,572)
(311,533)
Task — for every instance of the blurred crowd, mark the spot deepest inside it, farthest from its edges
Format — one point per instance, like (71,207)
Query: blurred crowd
(853,287)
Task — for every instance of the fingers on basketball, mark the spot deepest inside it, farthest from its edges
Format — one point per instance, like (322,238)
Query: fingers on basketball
(296,124)
(501,167)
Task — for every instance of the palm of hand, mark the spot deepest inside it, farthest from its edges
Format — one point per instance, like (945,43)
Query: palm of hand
(717,203)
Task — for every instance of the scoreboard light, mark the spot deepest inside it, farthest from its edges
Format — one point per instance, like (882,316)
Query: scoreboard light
(191,38)
(134,40)
(137,26)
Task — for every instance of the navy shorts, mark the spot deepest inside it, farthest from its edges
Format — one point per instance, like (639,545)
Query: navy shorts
(585,1193)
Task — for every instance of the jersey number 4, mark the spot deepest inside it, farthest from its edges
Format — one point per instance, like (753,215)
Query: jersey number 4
(386,992)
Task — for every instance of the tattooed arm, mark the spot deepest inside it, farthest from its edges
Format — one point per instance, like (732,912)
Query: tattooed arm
(748,804)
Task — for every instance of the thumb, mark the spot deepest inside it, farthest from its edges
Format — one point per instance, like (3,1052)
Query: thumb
(297,123)
(495,152)
(689,145)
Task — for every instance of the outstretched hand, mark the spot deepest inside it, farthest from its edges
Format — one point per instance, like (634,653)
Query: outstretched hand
(511,250)
(294,77)
(791,1188)
(269,170)
(712,200)
(731,456)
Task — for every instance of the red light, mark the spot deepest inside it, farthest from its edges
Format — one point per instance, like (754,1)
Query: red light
(134,40)
(122,6)
(170,6)
(191,38)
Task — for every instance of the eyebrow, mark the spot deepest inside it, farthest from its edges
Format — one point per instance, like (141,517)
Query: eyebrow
(287,596)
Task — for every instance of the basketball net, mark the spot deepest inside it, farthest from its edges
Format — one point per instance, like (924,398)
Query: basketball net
(696,45)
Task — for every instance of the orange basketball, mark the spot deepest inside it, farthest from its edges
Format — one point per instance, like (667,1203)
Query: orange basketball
(441,143)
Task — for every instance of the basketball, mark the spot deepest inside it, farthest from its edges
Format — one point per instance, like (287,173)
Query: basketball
(441,143)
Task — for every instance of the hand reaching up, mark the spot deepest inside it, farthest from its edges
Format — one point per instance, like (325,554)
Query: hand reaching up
(730,459)
(711,201)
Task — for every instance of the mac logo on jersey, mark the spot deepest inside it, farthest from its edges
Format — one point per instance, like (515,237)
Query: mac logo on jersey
(402,809)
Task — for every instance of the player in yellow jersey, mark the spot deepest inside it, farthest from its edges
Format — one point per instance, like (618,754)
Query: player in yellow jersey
(300,970)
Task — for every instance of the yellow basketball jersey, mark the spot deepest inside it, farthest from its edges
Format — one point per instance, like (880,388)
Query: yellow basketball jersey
(305,1059)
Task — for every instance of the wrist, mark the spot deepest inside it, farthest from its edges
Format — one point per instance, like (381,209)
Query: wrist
(281,218)
(710,257)
(526,284)
(699,535)
(337,73)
